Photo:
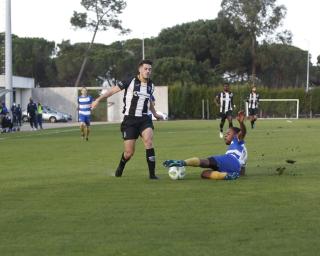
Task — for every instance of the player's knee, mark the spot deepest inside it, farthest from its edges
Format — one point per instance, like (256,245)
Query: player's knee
(148,143)
(206,174)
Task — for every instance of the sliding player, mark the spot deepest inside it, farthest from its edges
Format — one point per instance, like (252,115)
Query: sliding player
(222,167)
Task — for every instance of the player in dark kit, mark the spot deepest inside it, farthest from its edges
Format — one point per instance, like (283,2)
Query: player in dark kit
(137,102)
(224,101)
(253,104)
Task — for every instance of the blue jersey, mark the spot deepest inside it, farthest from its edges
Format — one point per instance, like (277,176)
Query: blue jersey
(85,105)
(238,150)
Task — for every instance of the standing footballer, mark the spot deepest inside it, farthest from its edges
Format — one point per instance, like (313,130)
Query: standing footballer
(253,104)
(84,108)
(224,101)
(137,102)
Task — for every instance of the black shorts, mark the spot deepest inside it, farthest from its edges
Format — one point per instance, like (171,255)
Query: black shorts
(253,111)
(132,127)
(224,115)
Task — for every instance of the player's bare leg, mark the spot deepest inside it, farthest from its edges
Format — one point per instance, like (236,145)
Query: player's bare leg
(82,130)
(221,127)
(213,175)
(87,132)
(253,120)
(129,148)
(147,138)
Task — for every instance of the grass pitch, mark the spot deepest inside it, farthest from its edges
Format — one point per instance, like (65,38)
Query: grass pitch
(58,195)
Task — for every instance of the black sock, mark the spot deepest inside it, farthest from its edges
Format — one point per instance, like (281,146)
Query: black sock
(121,166)
(151,160)
(252,123)
(221,125)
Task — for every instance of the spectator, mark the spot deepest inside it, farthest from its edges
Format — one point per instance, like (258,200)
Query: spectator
(32,114)
(18,115)
(39,115)
(3,111)
(7,124)
(13,111)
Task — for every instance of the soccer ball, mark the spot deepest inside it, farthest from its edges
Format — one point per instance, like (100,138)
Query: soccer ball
(177,173)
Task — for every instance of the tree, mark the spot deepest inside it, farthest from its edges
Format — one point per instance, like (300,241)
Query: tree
(33,57)
(104,15)
(256,17)
(281,65)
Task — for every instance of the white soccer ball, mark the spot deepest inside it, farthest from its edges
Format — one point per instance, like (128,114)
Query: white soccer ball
(177,173)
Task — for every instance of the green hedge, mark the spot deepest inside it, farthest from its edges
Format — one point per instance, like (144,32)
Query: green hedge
(185,102)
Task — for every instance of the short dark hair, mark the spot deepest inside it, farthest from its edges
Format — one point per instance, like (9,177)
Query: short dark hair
(236,130)
(145,61)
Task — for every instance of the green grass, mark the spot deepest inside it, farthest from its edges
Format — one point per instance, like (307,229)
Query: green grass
(58,195)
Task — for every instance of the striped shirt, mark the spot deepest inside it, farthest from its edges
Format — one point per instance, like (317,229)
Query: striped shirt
(238,150)
(226,101)
(85,105)
(253,100)
(137,97)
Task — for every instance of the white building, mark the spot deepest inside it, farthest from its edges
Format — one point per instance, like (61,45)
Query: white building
(22,89)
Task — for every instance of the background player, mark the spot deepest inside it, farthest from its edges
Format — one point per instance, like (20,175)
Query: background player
(253,104)
(137,96)
(84,107)
(224,100)
(222,167)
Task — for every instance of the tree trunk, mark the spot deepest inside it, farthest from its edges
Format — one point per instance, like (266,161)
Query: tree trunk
(253,57)
(86,56)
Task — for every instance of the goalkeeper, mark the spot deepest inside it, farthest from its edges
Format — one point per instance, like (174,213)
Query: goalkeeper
(222,167)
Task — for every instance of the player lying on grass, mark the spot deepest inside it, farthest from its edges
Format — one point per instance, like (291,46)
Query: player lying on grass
(222,167)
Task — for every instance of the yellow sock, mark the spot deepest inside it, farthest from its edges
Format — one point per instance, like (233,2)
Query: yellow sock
(217,175)
(194,161)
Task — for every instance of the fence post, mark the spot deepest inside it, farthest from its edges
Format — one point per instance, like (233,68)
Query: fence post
(208,110)
(202,108)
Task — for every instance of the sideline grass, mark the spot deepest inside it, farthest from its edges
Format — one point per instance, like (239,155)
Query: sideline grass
(58,195)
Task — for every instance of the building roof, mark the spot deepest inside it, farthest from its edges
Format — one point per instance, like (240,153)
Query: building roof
(18,82)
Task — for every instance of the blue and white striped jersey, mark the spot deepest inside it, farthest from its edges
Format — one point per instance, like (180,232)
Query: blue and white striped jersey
(238,150)
(85,105)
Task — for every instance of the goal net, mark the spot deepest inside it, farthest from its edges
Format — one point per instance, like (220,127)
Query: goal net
(277,108)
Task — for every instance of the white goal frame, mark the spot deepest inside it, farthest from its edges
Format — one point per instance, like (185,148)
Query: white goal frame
(261,100)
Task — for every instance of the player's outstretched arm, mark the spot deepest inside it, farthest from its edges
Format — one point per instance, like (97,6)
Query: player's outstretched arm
(107,94)
(154,112)
(243,129)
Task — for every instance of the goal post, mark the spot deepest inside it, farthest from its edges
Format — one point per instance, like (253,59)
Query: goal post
(277,108)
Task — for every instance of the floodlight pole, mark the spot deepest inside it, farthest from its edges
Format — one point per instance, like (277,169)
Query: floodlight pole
(8,56)
(308,61)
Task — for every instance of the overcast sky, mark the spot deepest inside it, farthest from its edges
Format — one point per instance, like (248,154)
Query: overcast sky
(50,19)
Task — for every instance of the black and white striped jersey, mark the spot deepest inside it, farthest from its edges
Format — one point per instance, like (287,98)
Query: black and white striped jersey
(136,96)
(253,100)
(226,101)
